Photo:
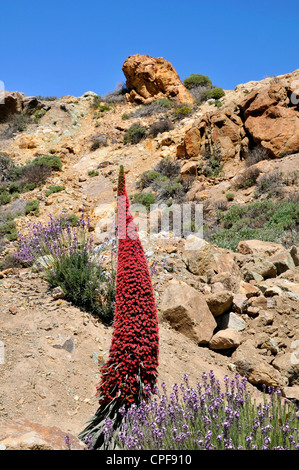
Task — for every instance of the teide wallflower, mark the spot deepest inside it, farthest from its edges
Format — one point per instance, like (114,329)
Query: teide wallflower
(131,369)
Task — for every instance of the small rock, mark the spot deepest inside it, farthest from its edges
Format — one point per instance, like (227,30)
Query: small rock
(219,302)
(253,311)
(272,290)
(240,303)
(225,339)
(231,320)
(13,310)
(58,293)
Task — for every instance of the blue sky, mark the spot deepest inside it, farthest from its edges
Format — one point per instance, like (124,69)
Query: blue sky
(63,47)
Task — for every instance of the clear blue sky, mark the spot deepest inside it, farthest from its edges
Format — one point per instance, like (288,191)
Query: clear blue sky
(63,47)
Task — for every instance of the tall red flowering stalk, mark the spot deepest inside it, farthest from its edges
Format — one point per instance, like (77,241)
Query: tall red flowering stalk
(131,370)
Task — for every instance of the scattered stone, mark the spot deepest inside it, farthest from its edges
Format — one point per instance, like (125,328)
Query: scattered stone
(225,339)
(272,290)
(248,289)
(231,320)
(13,309)
(58,293)
(219,302)
(240,303)
(67,344)
(288,365)
(252,311)
(283,261)
(292,393)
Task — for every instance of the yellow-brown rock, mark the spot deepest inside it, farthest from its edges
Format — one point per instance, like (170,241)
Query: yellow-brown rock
(149,78)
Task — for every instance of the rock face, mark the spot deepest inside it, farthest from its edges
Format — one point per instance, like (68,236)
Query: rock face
(209,257)
(12,104)
(266,117)
(149,78)
(186,310)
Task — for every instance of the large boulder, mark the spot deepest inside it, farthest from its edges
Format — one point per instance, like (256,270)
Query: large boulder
(149,78)
(259,248)
(186,310)
(271,119)
(12,104)
(199,259)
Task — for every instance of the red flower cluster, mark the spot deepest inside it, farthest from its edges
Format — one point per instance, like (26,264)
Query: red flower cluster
(133,356)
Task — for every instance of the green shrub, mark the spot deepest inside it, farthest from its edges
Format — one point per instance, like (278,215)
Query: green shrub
(182,111)
(5,197)
(134,134)
(51,161)
(15,187)
(54,189)
(148,178)
(215,93)
(230,196)
(9,230)
(194,80)
(218,103)
(32,207)
(38,115)
(146,199)
(93,173)
(261,220)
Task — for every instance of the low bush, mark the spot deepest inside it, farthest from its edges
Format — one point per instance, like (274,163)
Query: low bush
(144,199)
(162,105)
(93,173)
(32,208)
(255,155)
(248,178)
(212,166)
(67,258)
(148,178)
(9,230)
(208,415)
(214,93)
(181,111)
(168,167)
(230,196)
(134,134)
(163,125)
(194,80)
(54,189)
(261,220)
(5,197)
(51,161)
(117,96)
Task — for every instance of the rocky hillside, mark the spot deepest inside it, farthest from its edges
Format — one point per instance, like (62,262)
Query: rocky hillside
(230,305)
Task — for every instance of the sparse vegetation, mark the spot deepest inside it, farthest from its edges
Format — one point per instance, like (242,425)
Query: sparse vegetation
(32,208)
(256,155)
(214,93)
(248,178)
(144,199)
(163,125)
(134,134)
(181,111)
(54,189)
(212,166)
(162,105)
(261,220)
(93,173)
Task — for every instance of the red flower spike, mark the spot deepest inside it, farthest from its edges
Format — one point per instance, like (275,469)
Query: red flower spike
(133,355)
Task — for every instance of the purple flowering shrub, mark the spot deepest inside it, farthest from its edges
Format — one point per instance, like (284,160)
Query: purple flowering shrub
(68,258)
(206,418)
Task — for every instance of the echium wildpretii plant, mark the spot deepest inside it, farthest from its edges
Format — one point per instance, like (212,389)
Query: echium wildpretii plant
(68,258)
(130,372)
(210,417)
